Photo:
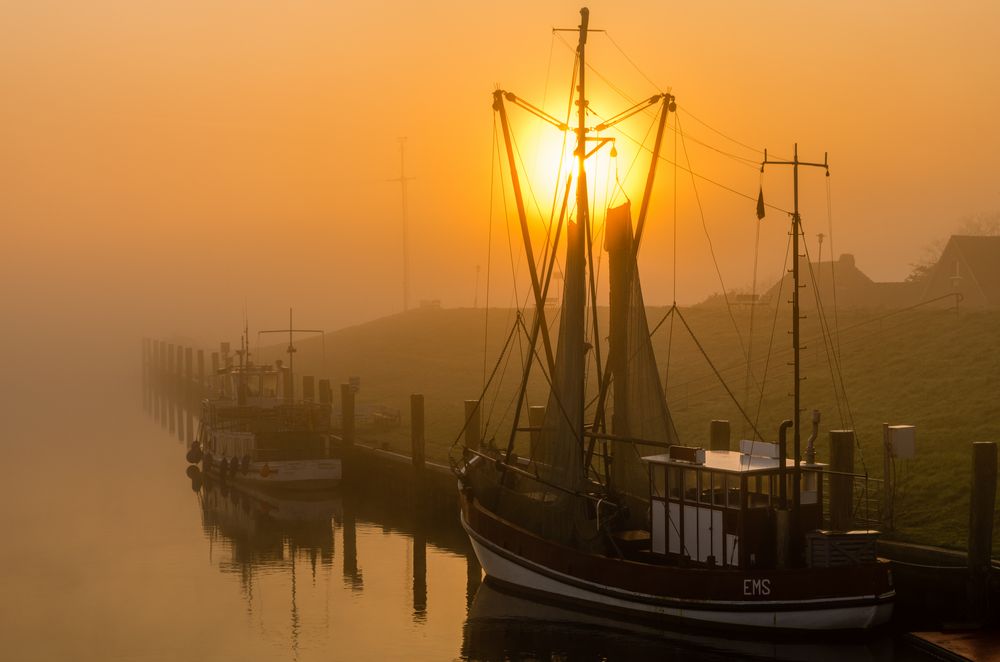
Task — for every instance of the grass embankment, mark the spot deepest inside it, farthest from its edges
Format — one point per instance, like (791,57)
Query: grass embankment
(934,369)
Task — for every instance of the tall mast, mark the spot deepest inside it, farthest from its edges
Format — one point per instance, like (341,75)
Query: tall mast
(575,245)
(796,317)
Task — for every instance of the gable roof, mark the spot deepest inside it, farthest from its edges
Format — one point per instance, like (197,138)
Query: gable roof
(982,256)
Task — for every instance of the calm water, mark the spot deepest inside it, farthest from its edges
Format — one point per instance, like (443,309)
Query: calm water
(112,551)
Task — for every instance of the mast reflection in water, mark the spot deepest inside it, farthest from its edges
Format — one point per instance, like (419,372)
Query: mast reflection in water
(283,549)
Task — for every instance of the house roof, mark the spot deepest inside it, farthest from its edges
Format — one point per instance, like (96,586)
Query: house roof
(982,256)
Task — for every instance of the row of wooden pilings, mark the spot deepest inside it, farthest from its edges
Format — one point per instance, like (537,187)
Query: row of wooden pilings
(175,379)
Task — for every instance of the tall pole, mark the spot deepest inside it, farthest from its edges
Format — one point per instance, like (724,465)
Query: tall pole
(797,429)
(403,179)
(796,347)
(575,243)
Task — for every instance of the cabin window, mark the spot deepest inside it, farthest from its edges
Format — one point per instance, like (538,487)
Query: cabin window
(732,491)
(690,484)
(658,480)
(674,482)
(718,489)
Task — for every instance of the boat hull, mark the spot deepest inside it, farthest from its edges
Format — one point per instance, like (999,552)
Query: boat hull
(502,564)
(290,475)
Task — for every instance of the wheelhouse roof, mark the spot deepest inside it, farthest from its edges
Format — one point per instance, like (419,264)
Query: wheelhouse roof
(733,462)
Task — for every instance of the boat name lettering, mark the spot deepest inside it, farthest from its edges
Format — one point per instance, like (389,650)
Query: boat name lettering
(756,587)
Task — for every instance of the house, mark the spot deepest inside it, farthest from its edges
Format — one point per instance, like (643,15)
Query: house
(841,282)
(969,266)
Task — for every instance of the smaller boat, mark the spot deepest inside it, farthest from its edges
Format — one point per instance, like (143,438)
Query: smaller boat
(254,432)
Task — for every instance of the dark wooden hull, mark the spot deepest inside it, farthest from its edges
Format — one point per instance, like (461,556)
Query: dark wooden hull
(843,598)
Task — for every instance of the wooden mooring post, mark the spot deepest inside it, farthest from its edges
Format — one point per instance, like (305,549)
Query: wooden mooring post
(841,482)
(188,394)
(170,386)
(347,415)
(417,431)
(719,435)
(982,504)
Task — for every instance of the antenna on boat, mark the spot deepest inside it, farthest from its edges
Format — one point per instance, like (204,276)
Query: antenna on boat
(796,395)
(291,331)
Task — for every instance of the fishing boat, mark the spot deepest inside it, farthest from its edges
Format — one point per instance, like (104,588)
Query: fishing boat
(606,509)
(253,430)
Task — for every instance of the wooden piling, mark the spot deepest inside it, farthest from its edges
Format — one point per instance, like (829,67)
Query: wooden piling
(179,392)
(188,394)
(419,573)
(170,386)
(347,414)
(841,485)
(536,419)
(201,374)
(308,388)
(417,431)
(473,425)
(719,435)
(982,504)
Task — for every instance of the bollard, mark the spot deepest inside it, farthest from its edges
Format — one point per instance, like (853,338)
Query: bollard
(536,419)
(841,486)
(719,435)
(982,504)
(347,414)
(308,388)
(473,425)
(417,430)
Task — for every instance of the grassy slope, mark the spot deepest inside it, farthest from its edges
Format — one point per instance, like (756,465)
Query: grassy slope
(931,368)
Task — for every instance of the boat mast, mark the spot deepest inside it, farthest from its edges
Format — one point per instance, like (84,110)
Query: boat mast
(796,317)
(575,240)
(291,330)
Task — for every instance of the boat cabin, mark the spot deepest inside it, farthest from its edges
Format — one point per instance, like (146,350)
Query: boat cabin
(719,508)
(253,385)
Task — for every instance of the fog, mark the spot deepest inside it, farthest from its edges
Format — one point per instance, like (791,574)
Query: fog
(166,166)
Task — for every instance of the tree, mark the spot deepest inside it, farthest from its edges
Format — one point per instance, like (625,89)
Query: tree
(982,224)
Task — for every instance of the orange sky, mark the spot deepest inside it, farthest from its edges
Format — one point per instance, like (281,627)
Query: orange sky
(161,163)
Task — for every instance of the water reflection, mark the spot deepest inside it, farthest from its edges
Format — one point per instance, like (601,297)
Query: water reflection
(503,625)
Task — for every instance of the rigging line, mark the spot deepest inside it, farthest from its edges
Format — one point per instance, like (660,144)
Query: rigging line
(727,137)
(562,156)
(597,73)
(670,334)
(719,376)
(749,163)
(840,372)
(630,61)
(548,380)
(711,250)
(703,177)
(482,394)
(489,243)
(770,342)
(823,326)
(829,222)
(753,305)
